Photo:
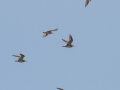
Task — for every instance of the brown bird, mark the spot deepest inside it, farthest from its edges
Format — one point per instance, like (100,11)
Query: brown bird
(87,2)
(49,32)
(60,88)
(68,43)
(20,58)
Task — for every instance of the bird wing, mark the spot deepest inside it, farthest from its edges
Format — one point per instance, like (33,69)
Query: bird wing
(65,41)
(16,56)
(22,56)
(70,38)
(54,29)
(86,3)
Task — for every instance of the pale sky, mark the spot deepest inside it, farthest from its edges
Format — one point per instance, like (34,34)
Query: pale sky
(94,62)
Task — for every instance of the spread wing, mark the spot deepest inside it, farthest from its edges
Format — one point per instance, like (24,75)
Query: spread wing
(86,3)
(70,38)
(65,41)
(54,29)
(16,56)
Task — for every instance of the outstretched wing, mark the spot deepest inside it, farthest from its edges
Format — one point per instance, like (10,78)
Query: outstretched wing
(54,29)
(86,3)
(65,41)
(70,38)
(16,56)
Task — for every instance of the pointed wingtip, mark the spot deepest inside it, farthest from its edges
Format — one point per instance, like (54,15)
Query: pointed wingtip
(70,35)
(56,29)
(63,40)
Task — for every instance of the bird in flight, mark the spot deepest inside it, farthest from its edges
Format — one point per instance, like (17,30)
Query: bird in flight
(87,2)
(49,32)
(68,43)
(60,88)
(20,58)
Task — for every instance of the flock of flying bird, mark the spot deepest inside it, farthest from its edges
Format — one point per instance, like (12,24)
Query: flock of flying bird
(68,43)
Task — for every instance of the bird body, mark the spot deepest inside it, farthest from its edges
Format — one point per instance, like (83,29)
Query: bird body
(49,32)
(68,43)
(20,58)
